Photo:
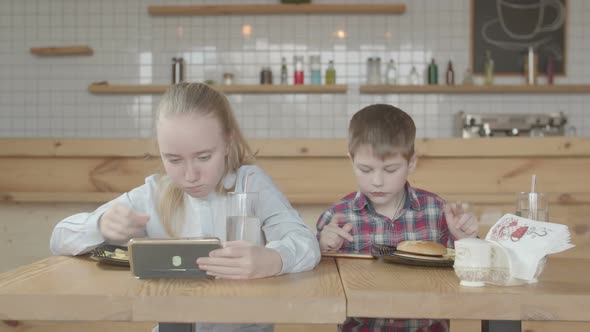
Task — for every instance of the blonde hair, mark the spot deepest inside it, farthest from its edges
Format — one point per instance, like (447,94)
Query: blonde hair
(387,129)
(201,99)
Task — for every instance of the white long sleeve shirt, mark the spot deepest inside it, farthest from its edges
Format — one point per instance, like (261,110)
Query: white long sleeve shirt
(282,227)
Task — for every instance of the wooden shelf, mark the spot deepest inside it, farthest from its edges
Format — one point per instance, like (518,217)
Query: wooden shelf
(229,89)
(467,89)
(282,9)
(65,50)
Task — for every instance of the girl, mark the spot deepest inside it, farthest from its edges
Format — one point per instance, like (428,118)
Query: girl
(204,156)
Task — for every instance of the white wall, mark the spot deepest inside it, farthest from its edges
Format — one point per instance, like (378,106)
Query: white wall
(47,96)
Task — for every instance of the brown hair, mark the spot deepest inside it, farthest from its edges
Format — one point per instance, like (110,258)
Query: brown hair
(387,129)
(201,99)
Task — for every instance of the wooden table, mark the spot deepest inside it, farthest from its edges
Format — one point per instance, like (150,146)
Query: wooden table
(72,288)
(378,289)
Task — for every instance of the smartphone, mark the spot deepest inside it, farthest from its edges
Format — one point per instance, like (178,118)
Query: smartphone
(169,258)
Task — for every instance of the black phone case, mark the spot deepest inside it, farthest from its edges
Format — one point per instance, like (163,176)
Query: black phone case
(170,258)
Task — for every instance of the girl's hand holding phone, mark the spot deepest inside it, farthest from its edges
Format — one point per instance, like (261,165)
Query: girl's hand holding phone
(241,260)
(120,223)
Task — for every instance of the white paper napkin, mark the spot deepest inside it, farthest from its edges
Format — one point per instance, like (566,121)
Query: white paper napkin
(528,242)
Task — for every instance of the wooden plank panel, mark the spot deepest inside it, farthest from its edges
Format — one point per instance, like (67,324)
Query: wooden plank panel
(305,328)
(445,148)
(63,326)
(308,180)
(463,325)
(504,147)
(547,326)
(449,176)
(74,175)
(78,147)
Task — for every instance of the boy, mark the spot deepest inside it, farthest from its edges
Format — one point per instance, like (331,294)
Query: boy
(386,209)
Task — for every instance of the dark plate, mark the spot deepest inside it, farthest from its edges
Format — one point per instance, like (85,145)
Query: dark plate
(389,254)
(101,254)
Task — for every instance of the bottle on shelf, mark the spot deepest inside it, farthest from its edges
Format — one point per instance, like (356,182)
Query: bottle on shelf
(331,73)
(550,70)
(432,72)
(391,73)
(298,70)
(531,63)
(488,68)
(265,75)
(228,78)
(468,77)
(450,75)
(374,71)
(177,70)
(284,73)
(315,65)
(413,77)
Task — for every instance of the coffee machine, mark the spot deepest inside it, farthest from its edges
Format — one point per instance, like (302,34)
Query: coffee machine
(509,124)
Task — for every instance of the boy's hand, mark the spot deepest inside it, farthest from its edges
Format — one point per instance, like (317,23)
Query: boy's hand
(241,260)
(461,224)
(332,236)
(120,223)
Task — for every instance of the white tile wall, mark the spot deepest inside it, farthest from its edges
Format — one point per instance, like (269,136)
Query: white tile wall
(47,96)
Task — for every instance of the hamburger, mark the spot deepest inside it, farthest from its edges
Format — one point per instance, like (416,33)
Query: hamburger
(421,249)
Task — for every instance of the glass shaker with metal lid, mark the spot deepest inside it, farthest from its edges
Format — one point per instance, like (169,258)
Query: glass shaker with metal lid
(374,70)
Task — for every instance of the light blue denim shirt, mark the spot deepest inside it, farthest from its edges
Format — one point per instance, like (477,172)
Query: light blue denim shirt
(282,226)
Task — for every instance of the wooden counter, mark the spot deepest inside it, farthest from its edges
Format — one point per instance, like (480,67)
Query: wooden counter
(308,171)
(68,288)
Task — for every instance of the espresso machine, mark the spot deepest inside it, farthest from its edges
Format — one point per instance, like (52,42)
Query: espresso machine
(509,124)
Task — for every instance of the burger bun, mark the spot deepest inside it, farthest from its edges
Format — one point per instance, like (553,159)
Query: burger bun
(424,248)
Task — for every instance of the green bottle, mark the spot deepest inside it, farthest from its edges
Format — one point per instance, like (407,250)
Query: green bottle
(432,73)
(488,68)
(331,73)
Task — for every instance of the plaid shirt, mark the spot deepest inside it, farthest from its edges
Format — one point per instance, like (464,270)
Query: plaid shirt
(421,218)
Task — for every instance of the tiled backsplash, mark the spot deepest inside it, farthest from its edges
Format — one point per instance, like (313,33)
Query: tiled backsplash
(48,97)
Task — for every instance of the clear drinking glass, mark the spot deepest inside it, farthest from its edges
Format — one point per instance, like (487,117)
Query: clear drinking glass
(242,218)
(534,206)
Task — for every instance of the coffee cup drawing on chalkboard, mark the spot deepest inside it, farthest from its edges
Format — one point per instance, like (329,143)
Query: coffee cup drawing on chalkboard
(512,12)
(521,23)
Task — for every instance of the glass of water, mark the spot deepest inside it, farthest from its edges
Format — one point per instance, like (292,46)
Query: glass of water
(242,218)
(534,206)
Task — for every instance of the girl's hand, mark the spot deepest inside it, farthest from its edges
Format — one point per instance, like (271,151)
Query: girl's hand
(120,223)
(332,236)
(461,224)
(241,260)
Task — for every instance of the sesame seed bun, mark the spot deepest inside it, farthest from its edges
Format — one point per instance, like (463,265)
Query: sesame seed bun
(427,248)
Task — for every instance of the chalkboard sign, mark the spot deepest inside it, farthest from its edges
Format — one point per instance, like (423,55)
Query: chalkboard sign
(507,28)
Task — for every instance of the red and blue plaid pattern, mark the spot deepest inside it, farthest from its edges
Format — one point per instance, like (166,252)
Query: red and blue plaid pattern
(422,218)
